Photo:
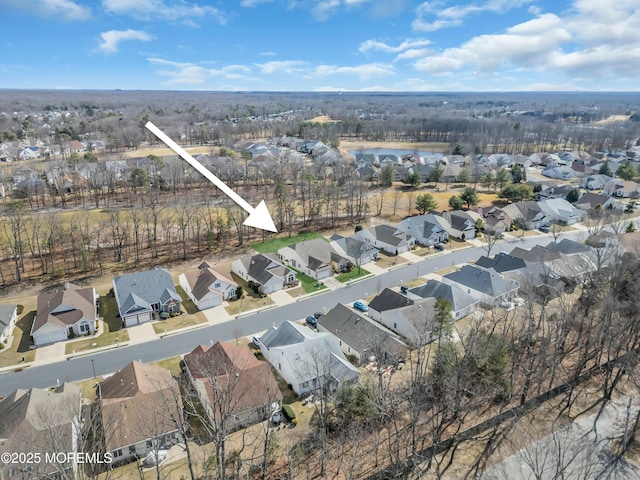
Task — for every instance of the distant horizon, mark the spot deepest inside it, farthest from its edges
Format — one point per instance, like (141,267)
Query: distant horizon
(313,92)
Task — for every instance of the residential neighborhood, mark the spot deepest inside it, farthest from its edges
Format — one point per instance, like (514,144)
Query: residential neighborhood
(253,379)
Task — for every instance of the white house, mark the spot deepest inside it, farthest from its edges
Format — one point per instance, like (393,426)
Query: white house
(314,258)
(562,212)
(621,188)
(206,287)
(8,317)
(484,284)
(264,270)
(427,230)
(385,237)
(307,360)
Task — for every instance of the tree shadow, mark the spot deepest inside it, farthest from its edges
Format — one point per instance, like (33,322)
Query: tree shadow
(24,324)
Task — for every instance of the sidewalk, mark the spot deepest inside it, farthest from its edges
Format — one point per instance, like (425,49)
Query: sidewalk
(145,332)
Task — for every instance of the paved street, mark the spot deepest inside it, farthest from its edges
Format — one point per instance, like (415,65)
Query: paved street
(224,327)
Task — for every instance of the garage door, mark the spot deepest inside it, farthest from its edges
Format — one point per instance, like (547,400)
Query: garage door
(144,317)
(57,337)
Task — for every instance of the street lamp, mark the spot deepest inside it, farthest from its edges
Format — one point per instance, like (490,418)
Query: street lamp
(93,366)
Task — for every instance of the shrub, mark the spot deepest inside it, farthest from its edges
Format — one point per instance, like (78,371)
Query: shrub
(289,413)
(20,309)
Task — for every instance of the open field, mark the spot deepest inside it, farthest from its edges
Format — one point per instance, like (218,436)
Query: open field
(275,244)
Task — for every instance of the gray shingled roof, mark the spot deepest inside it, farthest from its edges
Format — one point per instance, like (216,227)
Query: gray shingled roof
(144,288)
(455,295)
(358,331)
(390,235)
(487,281)
(389,300)
(502,262)
(6,311)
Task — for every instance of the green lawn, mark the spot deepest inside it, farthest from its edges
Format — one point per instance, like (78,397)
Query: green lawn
(109,313)
(187,303)
(105,339)
(275,244)
(21,340)
(173,364)
(112,329)
(308,283)
(180,321)
(352,275)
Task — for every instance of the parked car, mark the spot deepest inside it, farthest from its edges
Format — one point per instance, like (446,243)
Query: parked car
(312,321)
(360,306)
(545,229)
(404,289)
(439,247)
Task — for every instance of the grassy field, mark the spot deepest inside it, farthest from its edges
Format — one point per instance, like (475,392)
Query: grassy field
(352,275)
(275,244)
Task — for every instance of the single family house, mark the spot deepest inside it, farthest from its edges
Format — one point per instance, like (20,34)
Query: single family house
(46,422)
(385,237)
(68,312)
(353,249)
(487,285)
(141,294)
(206,287)
(360,337)
(233,385)
(140,410)
(314,258)
(307,360)
(8,317)
(265,270)
(427,230)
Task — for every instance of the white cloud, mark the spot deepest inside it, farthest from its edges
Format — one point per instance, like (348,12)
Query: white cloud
(430,16)
(412,54)
(531,44)
(364,72)
(161,10)
(193,74)
(288,67)
(410,43)
(112,38)
(594,42)
(61,9)
(253,3)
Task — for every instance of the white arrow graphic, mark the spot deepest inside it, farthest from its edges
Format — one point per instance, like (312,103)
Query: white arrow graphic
(259,217)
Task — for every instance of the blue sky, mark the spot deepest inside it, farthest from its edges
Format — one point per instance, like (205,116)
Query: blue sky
(321,45)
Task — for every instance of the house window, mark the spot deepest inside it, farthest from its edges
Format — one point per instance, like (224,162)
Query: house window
(155,307)
(216,285)
(349,349)
(395,325)
(117,453)
(149,444)
(132,449)
(172,308)
(84,328)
